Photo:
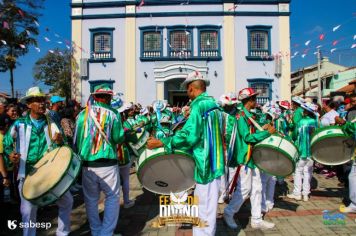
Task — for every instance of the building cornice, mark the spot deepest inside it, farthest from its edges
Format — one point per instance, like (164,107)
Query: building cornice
(177,14)
(178,2)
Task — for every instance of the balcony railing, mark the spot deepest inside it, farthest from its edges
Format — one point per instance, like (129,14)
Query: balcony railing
(180,54)
(101,55)
(152,54)
(259,53)
(210,53)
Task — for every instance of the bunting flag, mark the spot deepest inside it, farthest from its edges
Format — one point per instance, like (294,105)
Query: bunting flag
(319,46)
(336,28)
(22,46)
(296,53)
(28,33)
(3,42)
(355,37)
(56,35)
(141,4)
(5,25)
(51,51)
(68,46)
(59,42)
(335,42)
(38,50)
(47,39)
(304,55)
(307,42)
(353,45)
(36,23)
(332,50)
(321,37)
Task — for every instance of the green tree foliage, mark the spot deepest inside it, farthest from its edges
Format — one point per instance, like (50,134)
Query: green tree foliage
(54,70)
(18,30)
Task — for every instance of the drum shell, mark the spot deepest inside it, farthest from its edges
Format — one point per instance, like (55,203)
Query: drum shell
(276,156)
(62,186)
(139,147)
(331,146)
(162,173)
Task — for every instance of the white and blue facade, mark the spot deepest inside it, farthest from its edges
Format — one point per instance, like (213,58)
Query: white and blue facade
(146,51)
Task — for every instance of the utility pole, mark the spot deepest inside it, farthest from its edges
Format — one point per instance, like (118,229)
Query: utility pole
(319,79)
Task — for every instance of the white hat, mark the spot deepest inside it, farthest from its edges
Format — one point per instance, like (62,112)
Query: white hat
(193,76)
(144,111)
(126,106)
(247,93)
(32,92)
(228,99)
(298,100)
(311,107)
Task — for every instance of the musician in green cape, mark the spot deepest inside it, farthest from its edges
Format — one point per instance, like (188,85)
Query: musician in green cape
(297,115)
(98,131)
(26,143)
(249,180)
(204,121)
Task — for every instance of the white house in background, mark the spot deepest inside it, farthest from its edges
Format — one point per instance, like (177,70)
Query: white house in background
(146,51)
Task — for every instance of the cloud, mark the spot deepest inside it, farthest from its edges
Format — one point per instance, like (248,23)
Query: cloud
(316,29)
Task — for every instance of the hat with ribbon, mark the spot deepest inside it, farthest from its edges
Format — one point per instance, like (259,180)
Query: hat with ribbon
(285,104)
(31,93)
(247,93)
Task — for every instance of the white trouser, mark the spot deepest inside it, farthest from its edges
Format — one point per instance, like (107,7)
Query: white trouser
(352,186)
(249,182)
(29,213)
(95,180)
(208,195)
(304,171)
(225,183)
(125,177)
(268,186)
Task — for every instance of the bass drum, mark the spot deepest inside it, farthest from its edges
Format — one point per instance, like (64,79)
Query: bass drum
(52,176)
(331,146)
(276,156)
(162,173)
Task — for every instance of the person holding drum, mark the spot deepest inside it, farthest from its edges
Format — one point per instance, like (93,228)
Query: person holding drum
(202,123)
(25,144)
(297,115)
(249,181)
(350,129)
(304,167)
(98,131)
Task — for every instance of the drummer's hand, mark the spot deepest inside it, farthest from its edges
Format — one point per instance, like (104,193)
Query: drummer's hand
(154,143)
(339,120)
(266,126)
(58,138)
(6,182)
(271,129)
(15,157)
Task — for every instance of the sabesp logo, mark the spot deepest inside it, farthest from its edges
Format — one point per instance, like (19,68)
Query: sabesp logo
(12,224)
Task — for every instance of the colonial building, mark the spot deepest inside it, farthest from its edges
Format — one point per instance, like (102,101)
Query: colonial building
(145,49)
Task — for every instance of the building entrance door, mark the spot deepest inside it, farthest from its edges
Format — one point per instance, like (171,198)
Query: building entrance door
(174,94)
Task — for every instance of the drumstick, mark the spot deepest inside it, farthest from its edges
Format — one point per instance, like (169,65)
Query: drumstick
(255,124)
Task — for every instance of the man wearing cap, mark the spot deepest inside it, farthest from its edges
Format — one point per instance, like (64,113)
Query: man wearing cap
(34,135)
(195,136)
(98,131)
(57,104)
(283,123)
(304,167)
(249,181)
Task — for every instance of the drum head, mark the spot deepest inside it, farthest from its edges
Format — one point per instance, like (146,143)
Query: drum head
(333,150)
(165,173)
(273,161)
(47,172)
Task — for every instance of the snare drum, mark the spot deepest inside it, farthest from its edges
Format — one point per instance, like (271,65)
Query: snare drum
(276,156)
(52,176)
(331,146)
(162,173)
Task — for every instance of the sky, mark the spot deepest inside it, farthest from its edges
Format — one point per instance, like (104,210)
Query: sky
(309,19)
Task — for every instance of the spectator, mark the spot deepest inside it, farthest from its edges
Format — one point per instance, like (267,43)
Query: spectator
(329,117)
(351,108)
(12,113)
(57,103)
(68,123)
(3,104)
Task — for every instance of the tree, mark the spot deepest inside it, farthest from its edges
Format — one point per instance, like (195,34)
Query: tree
(54,70)
(19,27)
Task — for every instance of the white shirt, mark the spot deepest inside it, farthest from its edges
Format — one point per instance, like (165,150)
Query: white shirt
(329,118)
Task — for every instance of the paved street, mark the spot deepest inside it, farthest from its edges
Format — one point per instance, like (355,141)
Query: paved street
(291,217)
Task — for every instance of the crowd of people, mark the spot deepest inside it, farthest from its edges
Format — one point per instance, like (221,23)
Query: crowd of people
(102,134)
